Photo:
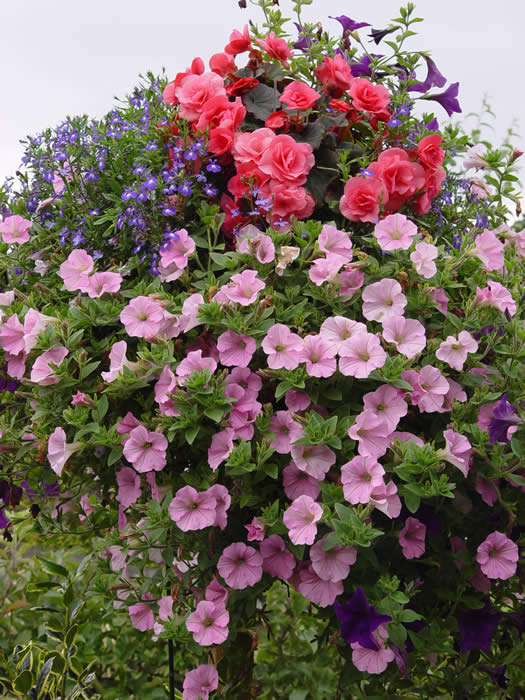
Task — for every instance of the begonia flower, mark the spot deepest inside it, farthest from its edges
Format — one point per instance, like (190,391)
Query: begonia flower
(298,95)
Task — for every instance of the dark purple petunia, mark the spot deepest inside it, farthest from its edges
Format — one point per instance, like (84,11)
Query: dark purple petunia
(359,619)
(433,125)
(497,674)
(305,40)
(401,658)
(364,66)
(349,25)
(4,520)
(434,78)
(504,416)
(448,99)
(378,35)
(476,628)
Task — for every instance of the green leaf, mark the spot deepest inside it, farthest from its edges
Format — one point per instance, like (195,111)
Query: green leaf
(71,636)
(262,101)
(43,676)
(332,540)
(397,633)
(40,586)
(23,682)
(52,568)
(114,455)
(409,616)
(271,470)
(86,370)
(412,500)
(68,596)
(191,433)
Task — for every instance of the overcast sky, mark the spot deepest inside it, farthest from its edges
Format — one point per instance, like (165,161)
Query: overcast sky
(66,57)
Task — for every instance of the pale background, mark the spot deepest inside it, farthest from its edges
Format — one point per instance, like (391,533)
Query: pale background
(66,57)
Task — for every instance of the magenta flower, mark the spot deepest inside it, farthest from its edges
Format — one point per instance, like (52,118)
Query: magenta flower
(338,329)
(319,356)
(75,270)
(200,682)
(298,483)
(255,530)
(129,490)
(383,299)
(489,249)
(454,351)
(58,451)
(498,556)
(15,229)
(282,347)
(351,279)
(221,448)
(315,460)
(141,614)
(41,372)
(142,317)
(333,565)
(192,510)
(359,477)
(388,403)
(395,232)
(209,623)
(243,288)
(296,400)
(412,538)
(277,560)
(370,660)
(334,242)
(300,519)
(146,451)
(316,589)
(361,355)
(102,282)
(240,566)
(423,259)
(408,335)
(235,350)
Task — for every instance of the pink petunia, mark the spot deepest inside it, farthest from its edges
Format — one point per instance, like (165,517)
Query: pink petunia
(142,317)
(165,607)
(41,372)
(351,279)
(361,355)
(277,560)
(359,477)
(412,538)
(487,490)
(146,451)
(75,270)
(286,431)
(408,335)
(15,229)
(301,518)
(372,434)
(296,401)
(243,288)
(209,623)
(395,232)
(388,403)
(129,490)
(325,269)
(315,460)
(174,255)
(384,497)
(454,351)
(221,448)
(334,242)
(458,451)
(240,566)
(338,329)
(317,590)
(117,361)
(234,349)
(255,530)
(200,682)
(101,283)
(223,502)
(165,385)
(319,356)
(333,565)
(58,450)
(498,556)
(423,259)
(192,510)
(489,249)
(372,660)
(298,483)
(383,299)
(141,614)
(194,362)
(12,336)
(282,347)
(253,242)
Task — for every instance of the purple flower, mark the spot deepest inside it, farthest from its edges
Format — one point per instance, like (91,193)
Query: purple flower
(359,619)
(305,40)
(434,78)
(476,628)
(4,521)
(349,25)
(378,35)
(448,99)
(504,416)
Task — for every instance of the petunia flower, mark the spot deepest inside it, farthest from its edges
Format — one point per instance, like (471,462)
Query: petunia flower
(240,566)
(412,538)
(277,560)
(129,490)
(395,232)
(142,317)
(192,510)
(282,347)
(371,660)
(14,229)
(504,421)
(407,334)
(301,518)
(200,682)
(298,483)
(383,299)
(498,556)
(59,451)
(333,565)
(359,477)
(360,355)
(234,349)
(476,628)
(146,451)
(316,589)
(359,620)
(454,351)
(209,623)
(423,259)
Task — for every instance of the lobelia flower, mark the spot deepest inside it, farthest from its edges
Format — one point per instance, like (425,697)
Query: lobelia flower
(240,566)
(489,249)
(142,317)
(359,477)
(504,419)
(199,683)
(301,518)
(319,356)
(412,538)
(359,620)
(498,556)
(277,560)
(423,258)
(14,229)
(234,349)
(315,460)
(146,451)
(209,623)
(395,232)
(454,351)
(476,628)
(383,299)
(317,590)
(282,347)
(360,355)
(333,565)
(58,451)
(408,335)
(129,490)
(298,483)
(192,510)
(41,372)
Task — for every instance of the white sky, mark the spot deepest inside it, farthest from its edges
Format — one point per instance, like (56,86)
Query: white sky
(66,57)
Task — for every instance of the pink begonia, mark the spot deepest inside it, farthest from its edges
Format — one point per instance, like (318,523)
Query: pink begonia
(277,560)
(286,431)
(165,607)
(146,451)
(383,299)
(454,351)
(240,566)
(282,347)
(359,477)
(223,502)
(319,356)
(333,565)
(255,530)
(75,270)
(15,229)
(489,249)
(371,433)
(388,403)
(195,90)
(41,372)
(458,451)
(487,490)
(351,279)
(194,362)
(298,483)
(192,510)
(423,259)
(384,497)
(371,660)
(58,451)
(338,329)
(360,355)
(102,282)
(407,334)
(221,448)
(301,518)
(325,269)
(118,360)
(209,623)
(253,242)
(199,683)
(234,349)
(296,400)
(395,232)
(129,490)
(495,295)
(141,614)
(334,242)
(243,288)
(412,538)
(316,589)
(315,460)
(142,317)
(498,556)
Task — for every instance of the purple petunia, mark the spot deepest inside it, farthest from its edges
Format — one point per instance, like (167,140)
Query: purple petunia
(359,619)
